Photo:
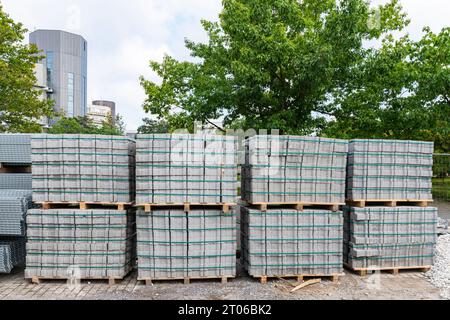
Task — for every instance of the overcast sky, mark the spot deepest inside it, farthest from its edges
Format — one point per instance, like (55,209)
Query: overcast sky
(124,35)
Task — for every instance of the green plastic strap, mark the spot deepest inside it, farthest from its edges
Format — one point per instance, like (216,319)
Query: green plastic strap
(361,246)
(390,165)
(185,257)
(391,189)
(296,193)
(81,154)
(184,151)
(186,166)
(79,215)
(185,139)
(184,180)
(395,223)
(186,194)
(394,258)
(81,267)
(297,265)
(397,210)
(403,155)
(257,254)
(394,234)
(390,141)
(295,167)
(299,226)
(78,164)
(292,153)
(296,240)
(78,239)
(78,226)
(183,230)
(82,179)
(185,242)
(59,253)
(191,268)
(368,177)
(296,179)
(149,215)
(81,138)
(81,192)
(300,139)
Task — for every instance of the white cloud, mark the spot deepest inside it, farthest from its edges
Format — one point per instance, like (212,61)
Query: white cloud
(124,35)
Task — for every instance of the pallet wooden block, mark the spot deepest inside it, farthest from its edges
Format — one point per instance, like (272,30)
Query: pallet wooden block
(111,280)
(187,207)
(299,206)
(187,280)
(300,278)
(393,270)
(84,205)
(389,203)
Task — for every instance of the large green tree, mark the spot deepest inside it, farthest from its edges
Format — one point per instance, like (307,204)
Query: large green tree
(271,63)
(20,104)
(402,91)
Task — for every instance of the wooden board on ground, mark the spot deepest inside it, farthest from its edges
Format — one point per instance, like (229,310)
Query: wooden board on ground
(300,278)
(389,203)
(150,207)
(187,280)
(393,270)
(111,280)
(300,206)
(85,205)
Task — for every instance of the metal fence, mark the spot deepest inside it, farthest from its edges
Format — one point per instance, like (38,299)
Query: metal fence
(441,177)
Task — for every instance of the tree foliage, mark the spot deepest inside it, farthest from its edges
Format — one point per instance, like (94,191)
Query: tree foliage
(20,105)
(152,126)
(84,125)
(306,67)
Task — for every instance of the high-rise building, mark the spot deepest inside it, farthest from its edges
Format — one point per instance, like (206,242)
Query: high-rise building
(100,110)
(66,65)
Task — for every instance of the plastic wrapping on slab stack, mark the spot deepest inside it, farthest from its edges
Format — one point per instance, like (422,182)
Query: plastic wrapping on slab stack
(389,170)
(179,242)
(176,244)
(294,169)
(184,168)
(389,237)
(284,242)
(83,243)
(83,168)
(12,254)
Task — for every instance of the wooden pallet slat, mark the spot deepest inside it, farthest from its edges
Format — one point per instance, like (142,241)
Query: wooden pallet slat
(300,278)
(393,270)
(389,203)
(150,207)
(299,206)
(39,280)
(186,280)
(84,205)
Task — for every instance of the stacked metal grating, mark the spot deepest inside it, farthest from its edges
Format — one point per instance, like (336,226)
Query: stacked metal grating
(15,181)
(15,149)
(12,253)
(389,237)
(93,244)
(294,169)
(387,169)
(173,244)
(182,168)
(83,168)
(284,242)
(13,208)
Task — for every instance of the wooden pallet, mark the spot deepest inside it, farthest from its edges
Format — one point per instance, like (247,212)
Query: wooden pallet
(85,205)
(389,203)
(149,207)
(149,281)
(300,206)
(333,277)
(393,270)
(111,280)
(14,169)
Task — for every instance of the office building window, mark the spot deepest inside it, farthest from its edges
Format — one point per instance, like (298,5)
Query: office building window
(70,95)
(50,64)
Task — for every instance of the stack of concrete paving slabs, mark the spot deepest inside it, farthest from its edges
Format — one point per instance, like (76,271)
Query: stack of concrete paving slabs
(387,169)
(13,208)
(96,244)
(15,149)
(15,181)
(174,244)
(389,237)
(285,242)
(294,169)
(12,253)
(183,168)
(83,168)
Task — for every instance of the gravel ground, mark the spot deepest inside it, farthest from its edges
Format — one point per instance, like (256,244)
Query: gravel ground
(406,285)
(440,274)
